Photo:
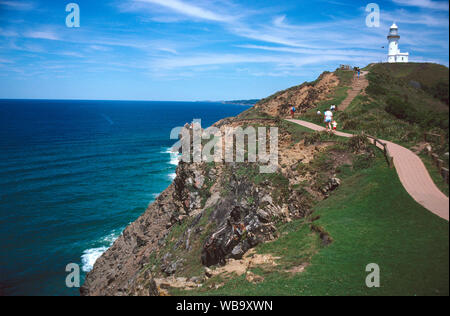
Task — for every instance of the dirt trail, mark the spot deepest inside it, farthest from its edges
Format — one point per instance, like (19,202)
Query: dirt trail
(412,173)
(358,85)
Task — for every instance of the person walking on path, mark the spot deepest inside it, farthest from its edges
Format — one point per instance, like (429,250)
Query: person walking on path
(292,111)
(328,119)
(412,174)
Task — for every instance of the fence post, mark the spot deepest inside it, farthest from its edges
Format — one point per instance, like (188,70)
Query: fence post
(440,163)
(444,173)
(435,158)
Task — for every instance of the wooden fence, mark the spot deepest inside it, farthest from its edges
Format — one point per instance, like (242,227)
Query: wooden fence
(432,137)
(440,164)
(389,158)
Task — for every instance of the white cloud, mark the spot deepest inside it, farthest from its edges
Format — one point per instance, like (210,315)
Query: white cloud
(405,17)
(279,21)
(48,35)
(8,33)
(189,10)
(5,61)
(227,59)
(348,52)
(425,4)
(18,5)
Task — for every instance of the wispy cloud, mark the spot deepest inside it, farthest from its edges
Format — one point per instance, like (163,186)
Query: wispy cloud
(18,5)
(8,33)
(189,10)
(212,42)
(341,52)
(404,17)
(47,35)
(425,4)
(227,59)
(5,61)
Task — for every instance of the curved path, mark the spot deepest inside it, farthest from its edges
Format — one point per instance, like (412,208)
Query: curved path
(412,173)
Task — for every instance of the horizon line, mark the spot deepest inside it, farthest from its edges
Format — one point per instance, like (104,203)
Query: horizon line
(130,100)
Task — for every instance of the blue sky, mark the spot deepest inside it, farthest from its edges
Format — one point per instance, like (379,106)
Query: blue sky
(200,49)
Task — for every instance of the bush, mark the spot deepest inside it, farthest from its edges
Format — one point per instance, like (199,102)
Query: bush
(399,108)
(358,142)
(439,91)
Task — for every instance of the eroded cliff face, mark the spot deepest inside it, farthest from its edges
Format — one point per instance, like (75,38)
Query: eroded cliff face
(216,212)
(303,97)
(118,267)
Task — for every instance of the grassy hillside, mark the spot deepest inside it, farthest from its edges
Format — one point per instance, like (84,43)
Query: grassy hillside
(402,102)
(433,79)
(371,219)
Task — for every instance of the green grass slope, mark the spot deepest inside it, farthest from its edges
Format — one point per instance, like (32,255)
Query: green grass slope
(433,79)
(371,219)
(402,102)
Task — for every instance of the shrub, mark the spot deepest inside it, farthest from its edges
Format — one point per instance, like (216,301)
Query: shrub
(358,142)
(439,91)
(402,110)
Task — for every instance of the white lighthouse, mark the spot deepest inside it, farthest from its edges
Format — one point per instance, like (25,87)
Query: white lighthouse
(394,55)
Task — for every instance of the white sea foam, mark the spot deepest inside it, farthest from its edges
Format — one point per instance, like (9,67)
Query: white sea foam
(91,255)
(174,159)
(172,176)
(174,156)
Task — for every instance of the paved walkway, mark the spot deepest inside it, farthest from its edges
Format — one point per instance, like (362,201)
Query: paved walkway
(358,84)
(412,173)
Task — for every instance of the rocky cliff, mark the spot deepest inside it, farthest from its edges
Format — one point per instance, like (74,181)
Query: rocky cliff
(216,212)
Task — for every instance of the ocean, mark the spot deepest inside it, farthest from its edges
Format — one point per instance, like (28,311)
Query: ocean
(74,174)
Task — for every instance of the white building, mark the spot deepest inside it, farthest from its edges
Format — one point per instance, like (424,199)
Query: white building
(394,55)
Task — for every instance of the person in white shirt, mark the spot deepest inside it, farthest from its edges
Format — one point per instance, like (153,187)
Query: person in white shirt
(328,119)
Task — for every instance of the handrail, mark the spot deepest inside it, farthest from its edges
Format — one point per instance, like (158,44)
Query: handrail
(440,136)
(439,163)
(389,158)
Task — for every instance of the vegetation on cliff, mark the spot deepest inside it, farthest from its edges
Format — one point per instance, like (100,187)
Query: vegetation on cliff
(332,207)
(370,218)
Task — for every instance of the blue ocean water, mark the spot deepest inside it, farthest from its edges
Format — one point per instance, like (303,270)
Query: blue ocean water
(74,174)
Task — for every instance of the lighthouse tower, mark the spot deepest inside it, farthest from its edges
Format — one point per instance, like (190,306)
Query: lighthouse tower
(394,54)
